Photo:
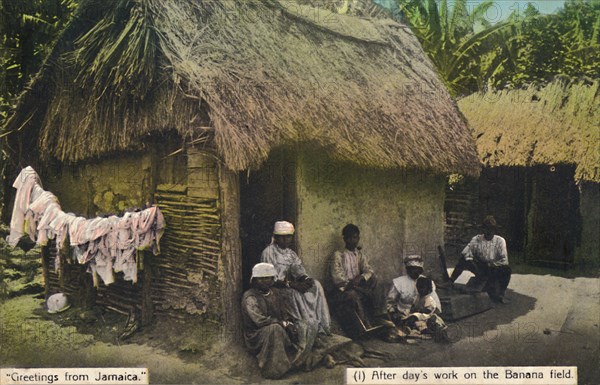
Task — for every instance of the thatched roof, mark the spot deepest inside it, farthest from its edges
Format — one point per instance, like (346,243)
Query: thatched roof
(557,124)
(252,76)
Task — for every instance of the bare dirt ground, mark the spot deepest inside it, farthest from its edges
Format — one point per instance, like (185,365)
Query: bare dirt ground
(550,321)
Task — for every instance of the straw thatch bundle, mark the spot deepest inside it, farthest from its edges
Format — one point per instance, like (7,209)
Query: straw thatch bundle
(251,76)
(557,124)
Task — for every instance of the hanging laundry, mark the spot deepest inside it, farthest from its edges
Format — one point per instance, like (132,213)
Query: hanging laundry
(36,210)
(106,245)
(60,227)
(103,266)
(147,226)
(76,231)
(45,231)
(24,184)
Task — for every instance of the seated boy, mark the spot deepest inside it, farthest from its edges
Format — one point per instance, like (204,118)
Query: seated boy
(354,282)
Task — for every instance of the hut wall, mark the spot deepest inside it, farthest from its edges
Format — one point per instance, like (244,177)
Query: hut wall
(398,214)
(463,217)
(188,273)
(589,251)
(186,277)
(106,187)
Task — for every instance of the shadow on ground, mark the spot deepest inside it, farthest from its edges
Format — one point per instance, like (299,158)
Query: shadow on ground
(483,323)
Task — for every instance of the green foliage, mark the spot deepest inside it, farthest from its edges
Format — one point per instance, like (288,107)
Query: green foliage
(455,180)
(449,37)
(27,30)
(541,47)
(525,48)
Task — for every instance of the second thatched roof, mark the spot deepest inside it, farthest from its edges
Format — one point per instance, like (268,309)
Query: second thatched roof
(249,75)
(556,124)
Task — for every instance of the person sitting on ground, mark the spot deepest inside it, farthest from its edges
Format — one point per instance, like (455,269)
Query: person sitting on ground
(403,295)
(354,282)
(278,341)
(305,295)
(425,313)
(486,257)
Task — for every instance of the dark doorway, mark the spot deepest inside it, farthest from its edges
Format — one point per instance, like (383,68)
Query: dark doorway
(503,193)
(554,219)
(267,195)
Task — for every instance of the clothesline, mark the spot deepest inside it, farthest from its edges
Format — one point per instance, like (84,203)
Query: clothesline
(106,244)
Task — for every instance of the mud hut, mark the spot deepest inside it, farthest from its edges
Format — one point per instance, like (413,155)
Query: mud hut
(539,148)
(231,115)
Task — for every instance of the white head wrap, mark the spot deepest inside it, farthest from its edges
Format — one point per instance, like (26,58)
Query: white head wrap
(263,270)
(283,228)
(413,260)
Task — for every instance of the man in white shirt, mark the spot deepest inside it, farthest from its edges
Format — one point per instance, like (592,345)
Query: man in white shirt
(486,257)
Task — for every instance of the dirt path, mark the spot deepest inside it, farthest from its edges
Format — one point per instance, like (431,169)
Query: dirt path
(550,321)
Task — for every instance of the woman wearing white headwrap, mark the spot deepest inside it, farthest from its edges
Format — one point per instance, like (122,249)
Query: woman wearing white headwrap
(277,339)
(403,294)
(306,295)
(404,299)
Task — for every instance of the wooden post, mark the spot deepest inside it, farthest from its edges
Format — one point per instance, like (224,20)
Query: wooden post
(63,254)
(46,270)
(88,291)
(147,304)
(442,256)
(230,254)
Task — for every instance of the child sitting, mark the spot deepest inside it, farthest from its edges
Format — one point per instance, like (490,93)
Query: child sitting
(425,308)
(412,304)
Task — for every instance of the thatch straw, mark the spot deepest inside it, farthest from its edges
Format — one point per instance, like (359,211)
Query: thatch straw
(261,74)
(558,124)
